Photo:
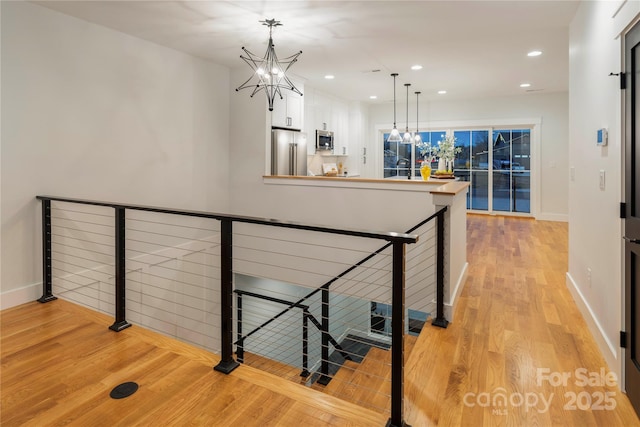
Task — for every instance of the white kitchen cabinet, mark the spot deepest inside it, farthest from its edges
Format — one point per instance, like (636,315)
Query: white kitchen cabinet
(288,112)
(340,126)
(322,117)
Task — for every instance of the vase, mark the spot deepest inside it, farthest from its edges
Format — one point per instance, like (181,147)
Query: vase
(442,164)
(425,171)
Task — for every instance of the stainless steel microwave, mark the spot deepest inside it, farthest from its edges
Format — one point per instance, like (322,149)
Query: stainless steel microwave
(324,140)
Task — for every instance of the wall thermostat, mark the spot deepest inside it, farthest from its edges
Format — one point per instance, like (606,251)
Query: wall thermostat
(602,137)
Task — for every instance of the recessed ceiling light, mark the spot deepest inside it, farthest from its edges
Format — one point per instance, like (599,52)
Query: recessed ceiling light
(329,77)
(534,53)
(525,85)
(416,67)
(442,92)
(373,97)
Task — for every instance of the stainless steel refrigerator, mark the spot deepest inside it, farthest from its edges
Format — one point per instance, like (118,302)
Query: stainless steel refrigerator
(288,152)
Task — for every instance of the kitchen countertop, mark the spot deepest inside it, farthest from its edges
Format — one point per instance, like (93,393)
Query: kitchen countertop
(434,185)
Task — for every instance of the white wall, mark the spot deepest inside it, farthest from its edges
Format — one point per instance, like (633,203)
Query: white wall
(98,114)
(594,227)
(551,109)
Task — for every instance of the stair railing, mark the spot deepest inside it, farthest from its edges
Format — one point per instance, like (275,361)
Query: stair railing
(227,364)
(438,321)
(397,315)
(306,318)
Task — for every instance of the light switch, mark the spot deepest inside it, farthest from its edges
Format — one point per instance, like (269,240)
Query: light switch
(572,172)
(602,179)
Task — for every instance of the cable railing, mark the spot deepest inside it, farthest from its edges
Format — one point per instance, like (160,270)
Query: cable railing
(173,271)
(355,305)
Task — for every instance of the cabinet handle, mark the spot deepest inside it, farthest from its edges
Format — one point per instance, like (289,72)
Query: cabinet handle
(288,121)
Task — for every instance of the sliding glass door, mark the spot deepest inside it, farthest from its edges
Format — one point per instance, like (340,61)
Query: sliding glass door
(499,172)
(472,164)
(512,170)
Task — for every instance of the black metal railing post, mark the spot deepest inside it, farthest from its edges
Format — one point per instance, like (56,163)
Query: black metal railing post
(440,319)
(227,363)
(324,362)
(240,341)
(305,344)
(120,322)
(397,337)
(47,282)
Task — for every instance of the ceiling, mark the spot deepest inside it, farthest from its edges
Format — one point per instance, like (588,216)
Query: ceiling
(470,49)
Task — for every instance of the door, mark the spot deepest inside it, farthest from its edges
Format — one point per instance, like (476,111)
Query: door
(632,216)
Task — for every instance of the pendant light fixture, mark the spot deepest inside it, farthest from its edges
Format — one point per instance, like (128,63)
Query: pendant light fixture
(394,136)
(417,138)
(407,138)
(269,70)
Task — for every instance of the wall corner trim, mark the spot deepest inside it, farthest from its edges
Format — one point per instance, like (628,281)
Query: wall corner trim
(450,306)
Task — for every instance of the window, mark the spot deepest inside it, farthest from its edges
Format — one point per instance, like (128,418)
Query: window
(399,157)
(496,161)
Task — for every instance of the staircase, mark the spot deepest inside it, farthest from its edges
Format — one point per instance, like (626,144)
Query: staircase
(367,384)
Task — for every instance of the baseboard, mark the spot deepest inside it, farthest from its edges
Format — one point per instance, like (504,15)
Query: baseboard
(607,348)
(450,307)
(19,296)
(552,217)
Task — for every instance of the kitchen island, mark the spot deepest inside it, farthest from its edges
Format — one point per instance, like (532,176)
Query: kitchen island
(434,185)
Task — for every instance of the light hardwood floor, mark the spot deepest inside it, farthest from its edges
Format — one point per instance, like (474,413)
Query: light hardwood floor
(515,315)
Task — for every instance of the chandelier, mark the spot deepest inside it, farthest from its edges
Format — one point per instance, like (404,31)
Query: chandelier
(269,70)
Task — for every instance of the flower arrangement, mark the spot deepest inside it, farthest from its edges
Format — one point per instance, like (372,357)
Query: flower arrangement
(447,150)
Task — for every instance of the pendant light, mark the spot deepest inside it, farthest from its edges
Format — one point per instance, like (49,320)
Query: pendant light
(394,136)
(417,138)
(269,70)
(407,138)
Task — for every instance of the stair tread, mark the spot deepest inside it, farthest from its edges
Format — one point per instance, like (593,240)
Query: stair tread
(280,369)
(369,385)
(343,375)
